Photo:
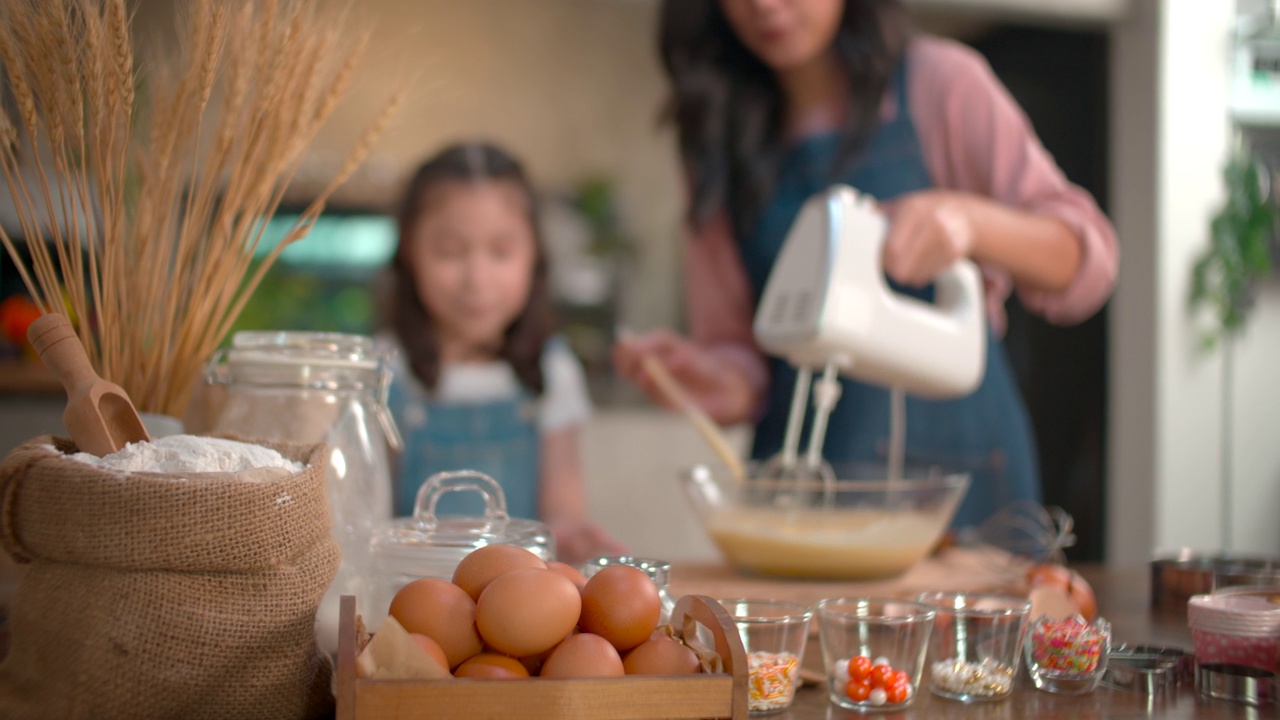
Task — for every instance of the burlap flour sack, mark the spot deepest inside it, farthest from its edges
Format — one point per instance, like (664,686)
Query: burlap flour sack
(161,596)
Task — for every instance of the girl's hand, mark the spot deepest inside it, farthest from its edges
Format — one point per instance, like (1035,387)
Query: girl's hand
(719,388)
(928,231)
(577,542)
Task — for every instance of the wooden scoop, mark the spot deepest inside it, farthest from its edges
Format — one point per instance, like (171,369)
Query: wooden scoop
(99,414)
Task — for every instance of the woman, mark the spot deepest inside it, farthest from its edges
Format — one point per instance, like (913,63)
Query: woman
(776,100)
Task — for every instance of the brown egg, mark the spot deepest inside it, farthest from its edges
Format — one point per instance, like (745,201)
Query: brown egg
(527,611)
(431,647)
(568,571)
(621,604)
(443,612)
(491,666)
(482,565)
(583,656)
(661,656)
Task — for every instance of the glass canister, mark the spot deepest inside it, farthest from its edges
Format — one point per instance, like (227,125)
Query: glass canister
(319,387)
(427,546)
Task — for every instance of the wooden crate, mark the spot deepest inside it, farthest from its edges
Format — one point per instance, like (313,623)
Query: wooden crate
(628,698)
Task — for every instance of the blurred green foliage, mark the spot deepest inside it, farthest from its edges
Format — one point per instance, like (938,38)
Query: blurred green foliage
(596,200)
(1224,278)
(311,299)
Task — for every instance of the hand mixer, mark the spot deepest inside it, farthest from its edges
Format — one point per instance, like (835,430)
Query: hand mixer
(827,305)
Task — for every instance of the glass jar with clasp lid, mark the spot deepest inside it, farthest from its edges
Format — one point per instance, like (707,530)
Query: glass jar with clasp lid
(429,546)
(311,387)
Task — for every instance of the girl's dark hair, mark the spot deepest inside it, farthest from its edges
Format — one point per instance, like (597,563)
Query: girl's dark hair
(728,109)
(413,325)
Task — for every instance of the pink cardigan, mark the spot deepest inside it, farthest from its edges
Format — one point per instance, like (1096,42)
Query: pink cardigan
(974,138)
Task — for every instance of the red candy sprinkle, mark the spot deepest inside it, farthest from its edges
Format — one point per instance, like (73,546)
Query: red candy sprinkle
(865,677)
(897,693)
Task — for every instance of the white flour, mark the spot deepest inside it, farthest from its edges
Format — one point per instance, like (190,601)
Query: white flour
(189,454)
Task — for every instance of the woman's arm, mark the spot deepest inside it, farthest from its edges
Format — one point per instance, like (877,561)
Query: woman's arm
(721,307)
(562,501)
(978,143)
(562,494)
(562,497)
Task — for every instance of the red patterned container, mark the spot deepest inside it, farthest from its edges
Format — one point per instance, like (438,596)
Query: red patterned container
(1240,626)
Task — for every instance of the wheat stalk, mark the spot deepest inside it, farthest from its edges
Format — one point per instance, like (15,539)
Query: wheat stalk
(156,238)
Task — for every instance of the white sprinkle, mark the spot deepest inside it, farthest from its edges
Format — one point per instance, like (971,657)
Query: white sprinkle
(988,678)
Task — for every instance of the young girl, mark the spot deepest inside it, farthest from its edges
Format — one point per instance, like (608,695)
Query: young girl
(482,382)
(774,102)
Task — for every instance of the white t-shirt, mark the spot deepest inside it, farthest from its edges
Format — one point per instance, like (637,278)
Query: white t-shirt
(564,402)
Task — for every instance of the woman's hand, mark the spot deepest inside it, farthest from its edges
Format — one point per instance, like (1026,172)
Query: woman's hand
(577,542)
(720,388)
(931,229)
(928,231)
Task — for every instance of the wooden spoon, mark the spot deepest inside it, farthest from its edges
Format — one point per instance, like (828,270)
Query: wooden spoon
(99,414)
(705,425)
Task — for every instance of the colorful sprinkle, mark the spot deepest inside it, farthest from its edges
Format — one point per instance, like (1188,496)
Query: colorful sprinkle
(1067,647)
(773,679)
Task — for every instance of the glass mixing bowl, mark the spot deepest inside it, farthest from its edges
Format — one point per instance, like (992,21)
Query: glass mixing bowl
(846,529)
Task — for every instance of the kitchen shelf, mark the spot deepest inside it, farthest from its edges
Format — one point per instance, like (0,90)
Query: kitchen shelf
(27,377)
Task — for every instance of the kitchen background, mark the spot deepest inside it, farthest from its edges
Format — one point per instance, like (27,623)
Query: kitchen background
(1150,442)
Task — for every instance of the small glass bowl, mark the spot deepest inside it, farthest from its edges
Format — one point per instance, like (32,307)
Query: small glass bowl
(873,650)
(976,644)
(1067,656)
(774,634)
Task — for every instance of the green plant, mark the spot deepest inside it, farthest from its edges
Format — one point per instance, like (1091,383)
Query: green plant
(596,200)
(1225,276)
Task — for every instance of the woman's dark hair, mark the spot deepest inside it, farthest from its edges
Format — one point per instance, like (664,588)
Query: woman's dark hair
(728,109)
(413,325)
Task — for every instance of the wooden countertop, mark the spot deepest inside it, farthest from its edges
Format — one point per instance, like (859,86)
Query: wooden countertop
(1123,599)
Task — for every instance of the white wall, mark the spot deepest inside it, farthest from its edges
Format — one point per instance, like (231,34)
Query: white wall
(1254,446)
(1193,131)
(1254,396)
(1131,471)
(1052,10)
(1175,479)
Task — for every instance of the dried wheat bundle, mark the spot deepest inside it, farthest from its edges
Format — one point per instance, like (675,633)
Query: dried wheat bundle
(151,182)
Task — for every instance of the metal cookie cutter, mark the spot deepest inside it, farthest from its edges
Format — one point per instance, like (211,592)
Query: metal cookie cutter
(1238,683)
(1146,669)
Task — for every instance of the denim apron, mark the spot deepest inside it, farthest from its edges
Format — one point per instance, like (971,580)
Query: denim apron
(497,437)
(986,434)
